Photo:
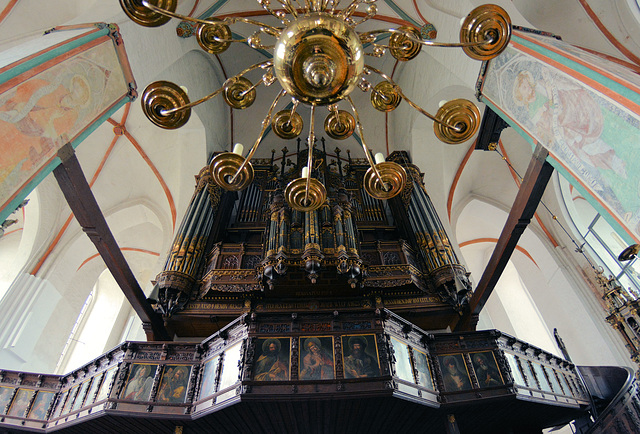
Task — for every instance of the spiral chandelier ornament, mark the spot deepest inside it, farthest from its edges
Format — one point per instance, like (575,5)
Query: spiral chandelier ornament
(318,60)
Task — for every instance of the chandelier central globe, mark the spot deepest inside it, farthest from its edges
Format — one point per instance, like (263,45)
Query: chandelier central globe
(318,59)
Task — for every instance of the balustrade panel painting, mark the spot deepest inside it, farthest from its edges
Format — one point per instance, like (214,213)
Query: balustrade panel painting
(316,358)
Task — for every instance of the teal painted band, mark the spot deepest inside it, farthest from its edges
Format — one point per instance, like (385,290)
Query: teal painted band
(402,13)
(99,121)
(511,123)
(30,186)
(213,9)
(51,54)
(618,88)
(620,230)
(27,189)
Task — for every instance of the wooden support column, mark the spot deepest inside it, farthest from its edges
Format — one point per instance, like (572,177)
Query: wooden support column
(529,195)
(83,204)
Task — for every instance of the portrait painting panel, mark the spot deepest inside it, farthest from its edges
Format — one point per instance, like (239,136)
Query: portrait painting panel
(139,382)
(403,363)
(565,385)
(106,384)
(360,356)
(551,375)
(515,370)
(81,395)
(21,402)
(60,404)
(423,369)
(316,358)
(67,405)
(5,397)
(486,369)
(173,384)
(94,387)
(41,405)
(455,375)
(230,366)
(528,374)
(209,377)
(542,379)
(272,363)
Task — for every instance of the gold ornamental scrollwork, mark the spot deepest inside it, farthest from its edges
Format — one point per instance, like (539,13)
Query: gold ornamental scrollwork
(203,178)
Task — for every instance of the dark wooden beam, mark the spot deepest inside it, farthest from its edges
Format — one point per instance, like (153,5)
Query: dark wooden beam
(527,200)
(490,130)
(85,208)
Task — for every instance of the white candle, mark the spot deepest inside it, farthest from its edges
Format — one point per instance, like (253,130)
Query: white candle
(305,172)
(238,149)
(379,158)
(441,103)
(184,88)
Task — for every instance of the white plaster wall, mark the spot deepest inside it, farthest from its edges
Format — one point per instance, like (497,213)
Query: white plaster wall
(531,299)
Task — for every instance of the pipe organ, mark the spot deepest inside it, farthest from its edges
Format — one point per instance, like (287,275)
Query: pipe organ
(248,251)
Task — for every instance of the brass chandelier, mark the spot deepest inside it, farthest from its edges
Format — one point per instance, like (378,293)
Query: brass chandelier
(318,60)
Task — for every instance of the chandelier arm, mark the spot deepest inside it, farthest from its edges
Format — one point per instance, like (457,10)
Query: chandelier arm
(193,104)
(381,94)
(293,109)
(289,7)
(334,109)
(370,14)
(221,40)
(245,92)
(167,13)
(263,65)
(421,110)
(349,10)
(364,144)
(310,154)
(411,103)
(365,36)
(230,20)
(265,6)
(265,123)
(217,92)
(269,30)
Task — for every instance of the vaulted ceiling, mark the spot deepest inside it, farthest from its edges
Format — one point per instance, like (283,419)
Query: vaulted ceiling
(142,176)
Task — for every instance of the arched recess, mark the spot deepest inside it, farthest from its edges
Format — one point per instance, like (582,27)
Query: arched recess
(35,333)
(90,334)
(535,294)
(17,242)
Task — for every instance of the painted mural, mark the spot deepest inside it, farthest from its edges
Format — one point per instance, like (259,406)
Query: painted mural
(592,133)
(41,112)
